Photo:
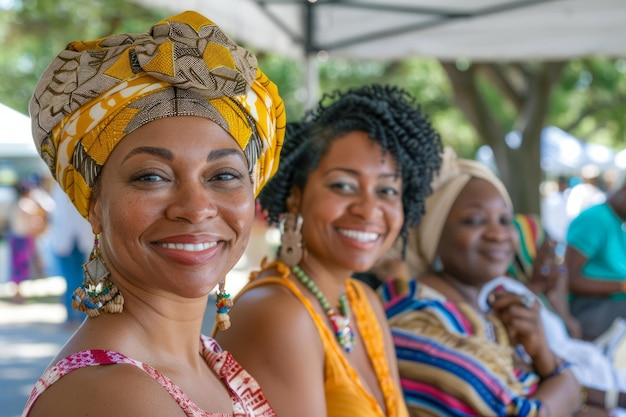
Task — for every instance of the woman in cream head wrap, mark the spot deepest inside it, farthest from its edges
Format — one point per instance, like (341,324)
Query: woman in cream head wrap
(463,350)
(452,178)
(162,141)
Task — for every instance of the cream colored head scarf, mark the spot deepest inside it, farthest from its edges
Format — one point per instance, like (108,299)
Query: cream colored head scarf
(454,174)
(95,93)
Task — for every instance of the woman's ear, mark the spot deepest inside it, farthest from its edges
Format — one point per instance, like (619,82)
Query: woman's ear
(294,200)
(95,214)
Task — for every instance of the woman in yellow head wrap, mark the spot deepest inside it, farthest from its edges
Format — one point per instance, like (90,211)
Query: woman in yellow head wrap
(162,141)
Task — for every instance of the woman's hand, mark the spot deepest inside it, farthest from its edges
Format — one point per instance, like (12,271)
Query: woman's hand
(558,390)
(521,317)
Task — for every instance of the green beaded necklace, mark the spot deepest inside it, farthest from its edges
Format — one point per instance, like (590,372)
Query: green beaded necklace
(339,321)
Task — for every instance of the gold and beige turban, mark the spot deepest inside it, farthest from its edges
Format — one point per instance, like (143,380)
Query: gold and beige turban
(454,174)
(94,93)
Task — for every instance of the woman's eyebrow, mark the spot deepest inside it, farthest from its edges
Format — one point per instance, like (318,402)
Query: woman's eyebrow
(160,152)
(168,155)
(356,173)
(223,153)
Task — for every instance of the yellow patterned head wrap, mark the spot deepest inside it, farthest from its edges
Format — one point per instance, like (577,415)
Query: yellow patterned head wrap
(454,174)
(94,93)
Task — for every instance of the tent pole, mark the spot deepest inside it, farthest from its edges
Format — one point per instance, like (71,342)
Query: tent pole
(310,56)
(312,81)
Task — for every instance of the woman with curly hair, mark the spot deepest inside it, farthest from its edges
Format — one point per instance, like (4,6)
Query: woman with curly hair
(354,176)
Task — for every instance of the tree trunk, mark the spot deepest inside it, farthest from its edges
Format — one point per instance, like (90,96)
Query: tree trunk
(526,175)
(527,89)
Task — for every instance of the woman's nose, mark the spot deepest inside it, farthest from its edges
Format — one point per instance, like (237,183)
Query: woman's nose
(192,202)
(366,205)
(498,231)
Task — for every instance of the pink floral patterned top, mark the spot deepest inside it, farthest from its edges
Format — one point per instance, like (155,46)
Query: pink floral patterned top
(246,395)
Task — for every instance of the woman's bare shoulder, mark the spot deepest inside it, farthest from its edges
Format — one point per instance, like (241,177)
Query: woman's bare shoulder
(119,389)
(268,324)
(269,309)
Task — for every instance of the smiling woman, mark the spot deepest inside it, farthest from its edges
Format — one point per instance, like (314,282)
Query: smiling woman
(455,358)
(162,211)
(353,176)
(162,141)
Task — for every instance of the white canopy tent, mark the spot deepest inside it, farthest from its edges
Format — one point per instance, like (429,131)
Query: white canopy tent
(15,137)
(479,30)
(486,30)
(18,153)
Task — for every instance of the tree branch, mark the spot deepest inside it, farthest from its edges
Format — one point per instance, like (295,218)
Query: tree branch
(596,108)
(472,104)
(498,77)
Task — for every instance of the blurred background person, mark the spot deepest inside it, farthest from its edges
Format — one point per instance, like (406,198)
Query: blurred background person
(28,221)
(596,261)
(70,240)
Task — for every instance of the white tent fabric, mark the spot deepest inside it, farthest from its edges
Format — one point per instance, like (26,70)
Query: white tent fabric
(480,30)
(15,137)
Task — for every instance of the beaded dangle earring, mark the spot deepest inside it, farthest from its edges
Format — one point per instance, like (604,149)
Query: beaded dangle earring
(97,293)
(291,248)
(223,304)
(437,265)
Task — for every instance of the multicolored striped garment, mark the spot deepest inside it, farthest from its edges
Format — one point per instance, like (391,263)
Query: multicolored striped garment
(531,237)
(453,360)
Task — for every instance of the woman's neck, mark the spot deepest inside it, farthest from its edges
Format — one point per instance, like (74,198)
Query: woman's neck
(465,292)
(330,282)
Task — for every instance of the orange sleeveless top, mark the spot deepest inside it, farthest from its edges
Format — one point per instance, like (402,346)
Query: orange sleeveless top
(345,394)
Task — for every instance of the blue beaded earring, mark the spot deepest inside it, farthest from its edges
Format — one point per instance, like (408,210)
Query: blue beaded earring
(97,293)
(437,265)
(223,304)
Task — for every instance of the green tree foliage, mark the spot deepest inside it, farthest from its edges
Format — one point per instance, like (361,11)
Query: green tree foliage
(590,101)
(586,97)
(424,78)
(33,32)
(480,103)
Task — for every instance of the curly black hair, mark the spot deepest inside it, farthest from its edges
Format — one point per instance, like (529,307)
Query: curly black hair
(389,115)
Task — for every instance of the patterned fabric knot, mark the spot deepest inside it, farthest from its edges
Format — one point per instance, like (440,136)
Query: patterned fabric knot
(196,55)
(95,93)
